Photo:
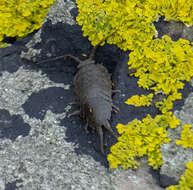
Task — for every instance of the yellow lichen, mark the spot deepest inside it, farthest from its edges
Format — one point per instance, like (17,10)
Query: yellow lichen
(125,23)
(161,64)
(128,24)
(21,17)
(174,9)
(140,100)
(186,137)
(139,138)
(2,44)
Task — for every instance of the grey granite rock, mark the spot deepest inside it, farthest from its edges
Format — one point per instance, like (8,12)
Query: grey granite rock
(56,153)
(175,157)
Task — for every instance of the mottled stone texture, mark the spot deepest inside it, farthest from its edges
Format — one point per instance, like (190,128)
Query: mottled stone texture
(39,147)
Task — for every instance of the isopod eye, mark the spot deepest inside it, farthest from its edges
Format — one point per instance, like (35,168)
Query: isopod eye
(83,54)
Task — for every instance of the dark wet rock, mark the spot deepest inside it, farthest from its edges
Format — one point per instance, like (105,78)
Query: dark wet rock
(128,87)
(188,88)
(162,180)
(10,60)
(10,63)
(54,99)
(174,29)
(166,181)
(12,126)
(13,185)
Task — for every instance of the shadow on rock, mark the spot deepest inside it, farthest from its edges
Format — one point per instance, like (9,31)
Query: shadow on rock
(87,143)
(13,185)
(185,92)
(53,98)
(10,60)
(162,180)
(12,126)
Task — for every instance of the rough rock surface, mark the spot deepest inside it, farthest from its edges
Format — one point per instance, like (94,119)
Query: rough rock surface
(174,29)
(39,147)
(175,157)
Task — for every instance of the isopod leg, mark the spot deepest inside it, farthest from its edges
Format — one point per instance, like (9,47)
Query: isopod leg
(116,91)
(52,59)
(100,131)
(115,108)
(86,128)
(108,127)
(74,58)
(73,113)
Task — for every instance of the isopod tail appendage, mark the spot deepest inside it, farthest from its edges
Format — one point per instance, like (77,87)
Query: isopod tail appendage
(100,131)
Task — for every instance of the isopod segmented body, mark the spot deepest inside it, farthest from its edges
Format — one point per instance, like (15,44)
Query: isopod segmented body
(93,89)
